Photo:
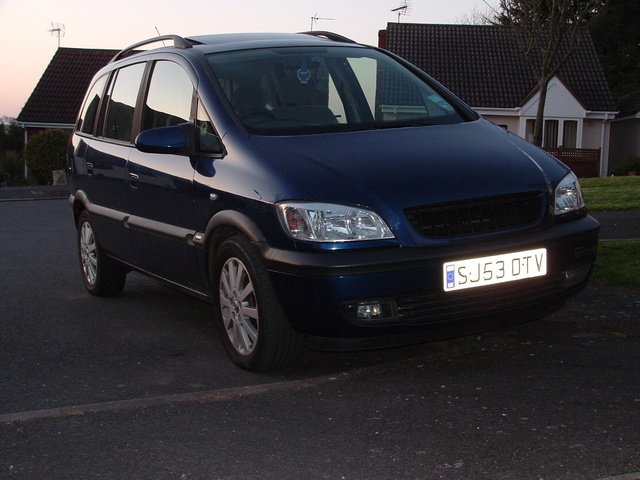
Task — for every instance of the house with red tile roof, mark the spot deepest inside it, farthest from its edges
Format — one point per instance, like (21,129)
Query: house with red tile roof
(483,65)
(57,98)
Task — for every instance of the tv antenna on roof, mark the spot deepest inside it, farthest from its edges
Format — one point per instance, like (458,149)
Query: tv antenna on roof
(404,9)
(57,30)
(315,19)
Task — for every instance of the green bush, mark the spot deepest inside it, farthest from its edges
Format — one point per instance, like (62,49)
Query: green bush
(45,153)
(629,164)
(10,166)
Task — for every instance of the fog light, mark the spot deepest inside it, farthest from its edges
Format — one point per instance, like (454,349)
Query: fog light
(374,311)
(369,311)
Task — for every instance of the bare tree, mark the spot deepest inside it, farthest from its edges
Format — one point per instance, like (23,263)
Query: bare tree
(476,17)
(547,32)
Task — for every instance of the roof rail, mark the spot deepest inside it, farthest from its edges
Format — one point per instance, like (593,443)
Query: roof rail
(329,36)
(178,42)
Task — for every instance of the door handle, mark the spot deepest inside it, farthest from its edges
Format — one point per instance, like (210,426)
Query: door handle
(134,181)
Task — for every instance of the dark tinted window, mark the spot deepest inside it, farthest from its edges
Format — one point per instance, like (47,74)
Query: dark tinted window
(122,102)
(91,104)
(302,90)
(169,97)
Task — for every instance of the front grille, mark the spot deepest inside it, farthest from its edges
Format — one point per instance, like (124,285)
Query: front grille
(476,216)
(442,306)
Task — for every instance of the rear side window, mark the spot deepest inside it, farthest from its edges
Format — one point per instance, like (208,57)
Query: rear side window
(122,102)
(89,111)
(169,97)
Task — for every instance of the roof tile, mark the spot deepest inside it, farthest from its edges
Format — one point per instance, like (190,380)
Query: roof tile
(483,65)
(629,106)
(58,95)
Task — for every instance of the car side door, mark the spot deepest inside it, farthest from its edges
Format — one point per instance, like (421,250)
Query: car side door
(160,190)
(105,141)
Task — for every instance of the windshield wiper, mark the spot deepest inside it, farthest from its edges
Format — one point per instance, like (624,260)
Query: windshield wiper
(383,125)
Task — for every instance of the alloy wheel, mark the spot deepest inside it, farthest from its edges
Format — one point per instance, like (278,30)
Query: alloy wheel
(88,253)
(239,306)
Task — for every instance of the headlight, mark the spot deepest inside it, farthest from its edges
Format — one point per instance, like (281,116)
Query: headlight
(568,195)
(325,222)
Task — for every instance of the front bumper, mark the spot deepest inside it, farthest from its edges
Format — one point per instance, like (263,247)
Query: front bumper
(317,291)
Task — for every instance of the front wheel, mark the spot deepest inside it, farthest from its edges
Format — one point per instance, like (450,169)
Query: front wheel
(253,329)
(101,275)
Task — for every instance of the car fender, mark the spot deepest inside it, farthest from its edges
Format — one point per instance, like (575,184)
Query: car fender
(79,201)
(233,219)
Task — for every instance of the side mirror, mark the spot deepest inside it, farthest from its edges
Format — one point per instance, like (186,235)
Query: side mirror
(172,140)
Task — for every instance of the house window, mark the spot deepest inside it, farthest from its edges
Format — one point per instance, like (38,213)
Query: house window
(556,133)
(530,128)
(570,134)
(551,133)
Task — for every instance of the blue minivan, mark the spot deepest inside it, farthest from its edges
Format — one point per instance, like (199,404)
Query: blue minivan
(317,192)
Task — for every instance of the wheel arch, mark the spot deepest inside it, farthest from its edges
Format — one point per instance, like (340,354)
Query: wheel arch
(226,224)
(275,343)
(78,202)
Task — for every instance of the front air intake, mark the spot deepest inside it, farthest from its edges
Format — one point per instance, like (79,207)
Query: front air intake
(476,216)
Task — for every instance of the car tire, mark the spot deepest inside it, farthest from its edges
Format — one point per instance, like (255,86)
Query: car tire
(101,275)
(252,326)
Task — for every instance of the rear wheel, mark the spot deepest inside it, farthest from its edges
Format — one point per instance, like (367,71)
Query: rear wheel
(101,275)
(253,329)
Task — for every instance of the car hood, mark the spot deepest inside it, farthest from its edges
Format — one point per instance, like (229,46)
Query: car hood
(390,170)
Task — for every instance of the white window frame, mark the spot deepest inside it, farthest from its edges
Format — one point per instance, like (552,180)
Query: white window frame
(560,121)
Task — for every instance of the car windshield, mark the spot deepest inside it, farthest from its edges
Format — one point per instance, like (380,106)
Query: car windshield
(290,90)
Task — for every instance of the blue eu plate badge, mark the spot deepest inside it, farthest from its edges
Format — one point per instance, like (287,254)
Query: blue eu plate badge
(451,276)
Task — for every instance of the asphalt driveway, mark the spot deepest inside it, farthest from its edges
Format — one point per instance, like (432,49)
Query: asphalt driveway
(138,386)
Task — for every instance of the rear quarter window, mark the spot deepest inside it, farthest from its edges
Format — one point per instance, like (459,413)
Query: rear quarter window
(89,113)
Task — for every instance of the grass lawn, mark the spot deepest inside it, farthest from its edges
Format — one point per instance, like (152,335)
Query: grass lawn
(611,193)
(618,264)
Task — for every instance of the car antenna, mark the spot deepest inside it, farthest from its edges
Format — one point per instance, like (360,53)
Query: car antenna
(158,32)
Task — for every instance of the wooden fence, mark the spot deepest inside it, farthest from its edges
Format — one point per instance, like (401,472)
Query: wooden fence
(585,162)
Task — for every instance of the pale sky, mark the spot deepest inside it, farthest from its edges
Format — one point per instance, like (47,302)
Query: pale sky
(28,46)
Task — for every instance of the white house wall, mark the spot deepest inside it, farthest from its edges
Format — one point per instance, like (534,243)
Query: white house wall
(560,103)
(510,122)
(591,133)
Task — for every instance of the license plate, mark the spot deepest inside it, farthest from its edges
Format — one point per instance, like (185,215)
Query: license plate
(508,267)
